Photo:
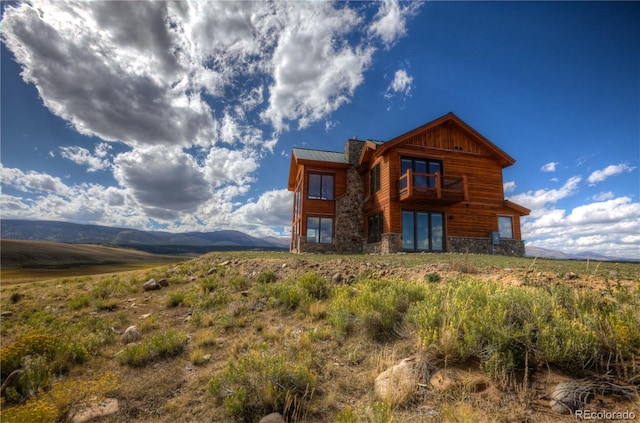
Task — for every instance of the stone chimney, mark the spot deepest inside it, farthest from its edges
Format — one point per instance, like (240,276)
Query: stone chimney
(353,149)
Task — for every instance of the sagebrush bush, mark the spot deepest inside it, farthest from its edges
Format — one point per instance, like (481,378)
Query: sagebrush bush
(261,382)
(266,276)
(510,328)
(164,345)
(315,286)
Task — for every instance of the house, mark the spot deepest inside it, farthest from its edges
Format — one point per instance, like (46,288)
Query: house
(438,187)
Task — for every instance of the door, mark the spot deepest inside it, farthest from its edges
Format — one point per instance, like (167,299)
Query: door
(422,231)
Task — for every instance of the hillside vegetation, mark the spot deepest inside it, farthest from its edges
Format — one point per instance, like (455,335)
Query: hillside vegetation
(237,336)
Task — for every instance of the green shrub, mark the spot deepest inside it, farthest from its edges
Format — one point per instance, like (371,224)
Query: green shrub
(261,382)
(266,276)
(78,302)
(175,298)
(432,277)
(209,284)
(168,344)
(315,286)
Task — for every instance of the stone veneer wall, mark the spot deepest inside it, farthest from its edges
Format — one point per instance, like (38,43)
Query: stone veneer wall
(390,243)
(312,247)
(349,219)
(507,247)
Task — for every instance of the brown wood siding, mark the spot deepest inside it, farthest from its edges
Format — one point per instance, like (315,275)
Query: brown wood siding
(320,208)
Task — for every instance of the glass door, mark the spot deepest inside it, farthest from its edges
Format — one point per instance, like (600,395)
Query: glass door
(422,231)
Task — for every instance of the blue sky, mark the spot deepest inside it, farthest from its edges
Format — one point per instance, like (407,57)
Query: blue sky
(182,116)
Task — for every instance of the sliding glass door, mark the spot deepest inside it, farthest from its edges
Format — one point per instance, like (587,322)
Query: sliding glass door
(422,231)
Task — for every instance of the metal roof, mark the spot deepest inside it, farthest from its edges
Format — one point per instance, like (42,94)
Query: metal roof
(320,155)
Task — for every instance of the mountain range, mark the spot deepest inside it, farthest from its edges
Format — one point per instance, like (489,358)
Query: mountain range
(152,241)
(188,242)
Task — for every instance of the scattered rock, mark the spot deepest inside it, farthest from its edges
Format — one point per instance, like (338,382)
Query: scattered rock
(212,271)
(225,263)
(272,418)
(12,381)
(6,314)
(163,282)
(336,278)
(206,357)
(151,285)
(399,383)
(145,316)
(570,276)
(570,396)
(131,335)
(108,407)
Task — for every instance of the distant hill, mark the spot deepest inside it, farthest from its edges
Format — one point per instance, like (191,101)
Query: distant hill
(152,241)
(533,251)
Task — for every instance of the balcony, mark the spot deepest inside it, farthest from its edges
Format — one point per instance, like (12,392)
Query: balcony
(432,188)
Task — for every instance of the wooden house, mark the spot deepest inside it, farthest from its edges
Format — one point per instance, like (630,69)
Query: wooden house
(438,187)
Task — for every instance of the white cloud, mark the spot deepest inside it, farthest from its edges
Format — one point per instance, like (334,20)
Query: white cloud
(33,181)
(509,186)
(549,167)
(537,200)
(390,21)
(401,84)
(603,196)
(607,227)
(612,170)
(272,209)
(80,155)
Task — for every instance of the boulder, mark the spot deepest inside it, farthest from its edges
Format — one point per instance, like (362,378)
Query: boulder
(151,285)
(131,335)
(336,278)
(163,282)
(398,383)
(108,407)
(570,396)
(272,418)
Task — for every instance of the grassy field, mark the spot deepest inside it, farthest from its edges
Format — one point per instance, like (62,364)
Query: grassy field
(29,261)
(236,336)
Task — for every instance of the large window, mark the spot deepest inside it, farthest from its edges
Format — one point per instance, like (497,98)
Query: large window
(505,226)
(374,182)
(421,168)
(422,231)
(319,230)
(320,187)
(375,225)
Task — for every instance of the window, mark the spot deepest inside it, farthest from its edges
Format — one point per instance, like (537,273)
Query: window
(374,182)
(423,171)
(375,225)
(320,187)
(505,226)
(422,231)
(319,230)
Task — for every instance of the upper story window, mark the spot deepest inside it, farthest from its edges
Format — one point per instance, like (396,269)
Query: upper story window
(320,187)
(374,182)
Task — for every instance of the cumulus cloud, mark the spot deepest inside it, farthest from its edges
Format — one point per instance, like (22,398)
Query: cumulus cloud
(80,155)
(272,209)
(509,186)
(537,200)
(390,21)
(192,89)
(607,227)
(549,167)
(612,170)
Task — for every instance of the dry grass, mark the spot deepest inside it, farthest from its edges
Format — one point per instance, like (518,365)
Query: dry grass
(262,313)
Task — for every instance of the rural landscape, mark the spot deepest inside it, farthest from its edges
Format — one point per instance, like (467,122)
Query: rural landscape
(238,336)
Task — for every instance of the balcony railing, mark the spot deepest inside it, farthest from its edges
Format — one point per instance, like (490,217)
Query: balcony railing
(416,187)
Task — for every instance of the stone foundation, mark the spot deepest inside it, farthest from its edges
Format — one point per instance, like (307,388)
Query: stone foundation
(507,247)
(312,247)
(391,243)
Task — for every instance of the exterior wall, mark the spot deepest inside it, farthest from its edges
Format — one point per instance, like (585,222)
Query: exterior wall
(349,220)
(390,243)
(507,247)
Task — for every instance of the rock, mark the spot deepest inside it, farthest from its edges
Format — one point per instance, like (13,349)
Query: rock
(443,381)
(272,418)
(336,278)
(212,271)
(399,383)
(570,276)
(12,381)
(131,335)
(570,396)
(108,407)
(151,285)
(6,314)
(163,282)
(225,263)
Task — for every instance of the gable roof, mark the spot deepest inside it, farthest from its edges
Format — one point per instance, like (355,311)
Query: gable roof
(503,158)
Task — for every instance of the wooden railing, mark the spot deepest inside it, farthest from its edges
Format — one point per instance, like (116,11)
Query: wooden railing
(415,186)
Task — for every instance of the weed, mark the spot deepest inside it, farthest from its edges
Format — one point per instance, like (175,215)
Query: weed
(266,276)
(79,301)
(261,382)
(168,344)
(209,284)
(432,277)
(346,415)
(315,286)
(175,298)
